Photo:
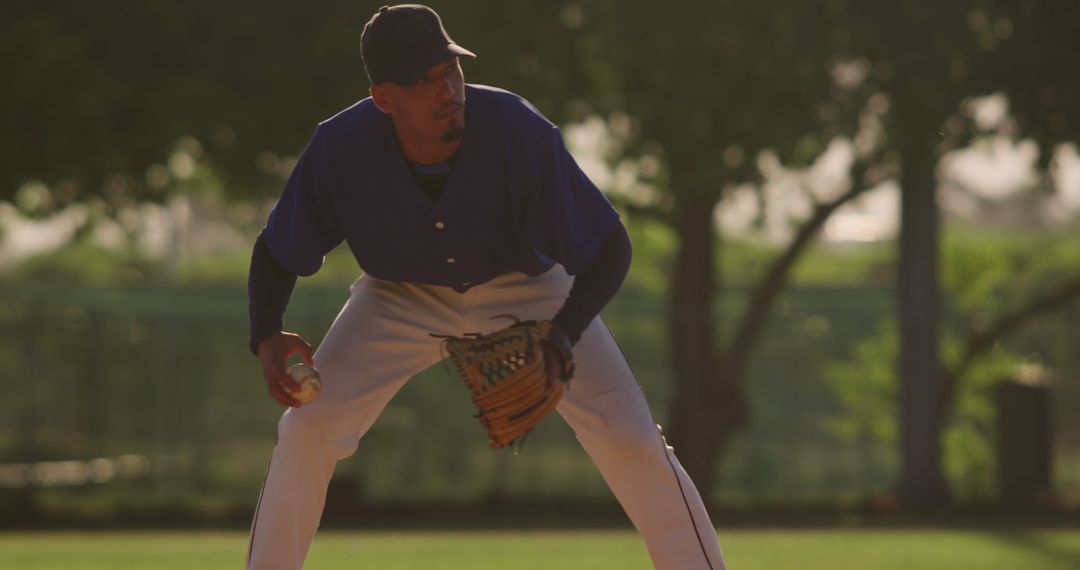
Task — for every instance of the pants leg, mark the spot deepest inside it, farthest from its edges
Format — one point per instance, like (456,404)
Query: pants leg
(608,412)
(612,420)
(378,341)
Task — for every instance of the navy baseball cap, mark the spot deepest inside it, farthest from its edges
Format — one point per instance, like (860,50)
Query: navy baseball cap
(401,43)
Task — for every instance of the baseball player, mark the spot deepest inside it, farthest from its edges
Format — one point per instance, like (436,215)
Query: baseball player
(460,202)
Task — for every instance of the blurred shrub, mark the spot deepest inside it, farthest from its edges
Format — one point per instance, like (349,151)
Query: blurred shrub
(981,278)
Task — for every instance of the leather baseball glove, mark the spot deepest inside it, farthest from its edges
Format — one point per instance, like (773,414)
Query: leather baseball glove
(516,375)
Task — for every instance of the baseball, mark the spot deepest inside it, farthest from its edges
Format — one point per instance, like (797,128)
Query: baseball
(308,378)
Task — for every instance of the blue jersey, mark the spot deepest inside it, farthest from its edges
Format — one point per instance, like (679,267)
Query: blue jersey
(515,199)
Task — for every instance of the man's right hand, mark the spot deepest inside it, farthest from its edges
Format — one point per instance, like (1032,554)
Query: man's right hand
(274,353)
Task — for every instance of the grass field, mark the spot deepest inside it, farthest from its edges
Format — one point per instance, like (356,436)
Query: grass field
(579,550)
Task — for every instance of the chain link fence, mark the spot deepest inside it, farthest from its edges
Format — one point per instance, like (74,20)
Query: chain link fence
(121,400)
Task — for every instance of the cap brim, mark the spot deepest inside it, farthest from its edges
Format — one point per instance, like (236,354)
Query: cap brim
(434,58)
(458,50)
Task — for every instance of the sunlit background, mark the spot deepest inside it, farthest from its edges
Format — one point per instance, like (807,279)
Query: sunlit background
(760,154)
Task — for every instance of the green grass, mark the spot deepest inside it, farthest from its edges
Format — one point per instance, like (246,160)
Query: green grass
(579,550)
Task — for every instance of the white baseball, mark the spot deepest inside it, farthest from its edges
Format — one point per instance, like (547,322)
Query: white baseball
(308,379)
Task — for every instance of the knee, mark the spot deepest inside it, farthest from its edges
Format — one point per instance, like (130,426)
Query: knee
(299,429)
(639,443)
(311,432)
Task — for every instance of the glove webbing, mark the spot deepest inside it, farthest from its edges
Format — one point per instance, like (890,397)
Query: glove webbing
(507,377)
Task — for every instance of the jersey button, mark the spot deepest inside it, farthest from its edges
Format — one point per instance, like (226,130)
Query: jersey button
(450,260)
(440,225)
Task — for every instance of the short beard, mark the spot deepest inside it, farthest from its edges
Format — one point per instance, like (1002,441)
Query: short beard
(454,133)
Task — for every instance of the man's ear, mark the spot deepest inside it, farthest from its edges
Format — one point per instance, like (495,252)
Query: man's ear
(382,99)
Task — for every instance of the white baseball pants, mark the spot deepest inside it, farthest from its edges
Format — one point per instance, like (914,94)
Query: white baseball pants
(381,339)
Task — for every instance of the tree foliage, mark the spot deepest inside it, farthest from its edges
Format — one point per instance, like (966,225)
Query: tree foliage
(106,89)
(103,88)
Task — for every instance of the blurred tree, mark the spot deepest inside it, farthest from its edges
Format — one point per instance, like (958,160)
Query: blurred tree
(734,79)
(979,279)
(103,88)
(108,87)
(928,59)
(743,78)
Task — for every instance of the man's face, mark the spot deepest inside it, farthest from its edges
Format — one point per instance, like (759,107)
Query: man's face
(432,109)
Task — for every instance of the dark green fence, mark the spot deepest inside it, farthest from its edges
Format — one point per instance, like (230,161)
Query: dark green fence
(133,399)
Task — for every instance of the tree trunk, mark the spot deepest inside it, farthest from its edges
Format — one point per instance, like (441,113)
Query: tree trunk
(921,481)
(691,333)
(711,405)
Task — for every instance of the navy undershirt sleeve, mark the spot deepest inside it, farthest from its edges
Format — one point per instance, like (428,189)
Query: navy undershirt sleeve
(595,285)
(269,288)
